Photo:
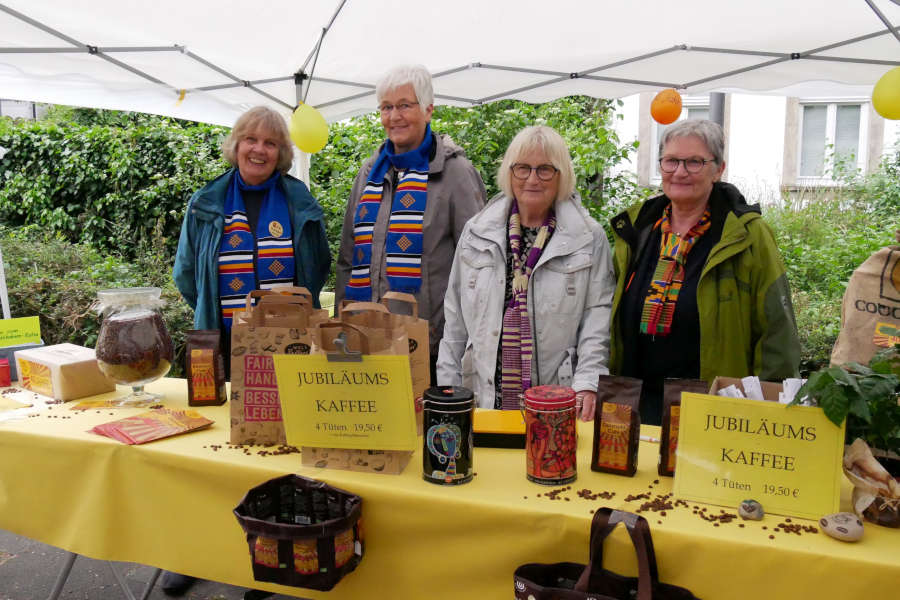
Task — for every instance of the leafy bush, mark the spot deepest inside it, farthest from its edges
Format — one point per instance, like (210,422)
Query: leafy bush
(105,185)
(824,240)
(57,280)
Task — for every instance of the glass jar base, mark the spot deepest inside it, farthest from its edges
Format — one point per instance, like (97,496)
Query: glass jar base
(138,398)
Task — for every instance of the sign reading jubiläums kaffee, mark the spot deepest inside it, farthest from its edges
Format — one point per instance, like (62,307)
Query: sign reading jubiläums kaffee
(788,458)
(355,405)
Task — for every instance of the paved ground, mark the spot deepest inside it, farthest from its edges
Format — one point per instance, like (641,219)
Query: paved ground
(28,570)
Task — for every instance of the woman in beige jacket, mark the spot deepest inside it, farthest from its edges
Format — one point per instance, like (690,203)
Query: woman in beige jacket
(531,286)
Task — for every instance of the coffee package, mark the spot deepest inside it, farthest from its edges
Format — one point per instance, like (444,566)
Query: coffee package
(205,367)
(617,425)
(671,415)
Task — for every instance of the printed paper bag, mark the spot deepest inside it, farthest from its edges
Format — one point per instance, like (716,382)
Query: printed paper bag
(870,313)
(378,315)
(419,346)
(274,326)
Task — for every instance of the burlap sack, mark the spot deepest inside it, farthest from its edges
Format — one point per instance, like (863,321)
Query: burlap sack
(277,325)
(870,313)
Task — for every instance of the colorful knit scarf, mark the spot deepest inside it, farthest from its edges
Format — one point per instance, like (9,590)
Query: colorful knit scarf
(659,305)
(403,244)
(272,245)
(516,344)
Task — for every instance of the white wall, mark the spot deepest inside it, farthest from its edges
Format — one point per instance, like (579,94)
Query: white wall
(756,145)
(627,130)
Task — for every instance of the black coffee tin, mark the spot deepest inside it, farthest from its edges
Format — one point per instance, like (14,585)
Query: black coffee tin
(447,427)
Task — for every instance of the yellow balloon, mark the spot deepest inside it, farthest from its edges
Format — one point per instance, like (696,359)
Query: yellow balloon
(309,129)
(886,95)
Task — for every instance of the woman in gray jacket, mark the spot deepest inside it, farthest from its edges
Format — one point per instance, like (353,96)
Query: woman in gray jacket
(530,291)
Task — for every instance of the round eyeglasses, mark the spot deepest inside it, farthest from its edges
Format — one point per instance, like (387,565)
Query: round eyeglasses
(523,171)
(691,165)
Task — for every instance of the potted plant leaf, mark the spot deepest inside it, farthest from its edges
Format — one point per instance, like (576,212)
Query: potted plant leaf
(869,398)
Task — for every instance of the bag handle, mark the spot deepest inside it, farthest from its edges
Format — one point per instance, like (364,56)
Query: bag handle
(605,520)
(281,299)
(279,315)
(326,335)
(403,298)
(362,307)
(256,294)
(293,290)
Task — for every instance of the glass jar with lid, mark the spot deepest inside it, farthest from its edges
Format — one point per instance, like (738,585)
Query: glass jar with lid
(133,346)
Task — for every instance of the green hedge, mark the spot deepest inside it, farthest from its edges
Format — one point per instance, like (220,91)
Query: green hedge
(57,280)
(106,186)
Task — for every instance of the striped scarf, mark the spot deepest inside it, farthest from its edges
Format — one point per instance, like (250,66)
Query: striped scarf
(272,244)
(659,305)
(403,244)
(516,344)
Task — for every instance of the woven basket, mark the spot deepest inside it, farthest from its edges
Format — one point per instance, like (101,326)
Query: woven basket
(301,532)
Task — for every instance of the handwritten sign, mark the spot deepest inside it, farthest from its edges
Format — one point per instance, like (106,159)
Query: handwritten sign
(18,331)
(732,449)
(355,405)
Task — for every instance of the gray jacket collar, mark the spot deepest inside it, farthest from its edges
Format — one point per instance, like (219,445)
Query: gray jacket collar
(574,227)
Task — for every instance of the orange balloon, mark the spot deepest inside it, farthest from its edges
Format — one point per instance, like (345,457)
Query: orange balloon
(666,106)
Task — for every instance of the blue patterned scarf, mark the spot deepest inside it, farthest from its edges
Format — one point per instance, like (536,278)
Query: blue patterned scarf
(272,244)
(403,245)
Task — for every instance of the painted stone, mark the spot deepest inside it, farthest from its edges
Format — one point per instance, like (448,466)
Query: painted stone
(752,510)
(842,526)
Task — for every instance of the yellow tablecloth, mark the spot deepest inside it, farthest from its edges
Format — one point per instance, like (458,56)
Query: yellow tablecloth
(168,504)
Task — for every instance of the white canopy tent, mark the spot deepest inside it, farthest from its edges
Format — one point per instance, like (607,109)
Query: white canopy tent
(210,61)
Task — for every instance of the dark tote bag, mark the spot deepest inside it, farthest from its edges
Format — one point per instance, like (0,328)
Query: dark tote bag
(572,581)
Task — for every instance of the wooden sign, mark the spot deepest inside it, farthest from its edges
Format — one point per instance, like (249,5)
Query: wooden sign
(354,405)
(788,458)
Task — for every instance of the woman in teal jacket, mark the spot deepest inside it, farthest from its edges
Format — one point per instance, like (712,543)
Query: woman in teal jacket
(254,227)
(701,288)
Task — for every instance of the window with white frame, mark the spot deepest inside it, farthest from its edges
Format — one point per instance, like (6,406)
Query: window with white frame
(831,134)
(693,108)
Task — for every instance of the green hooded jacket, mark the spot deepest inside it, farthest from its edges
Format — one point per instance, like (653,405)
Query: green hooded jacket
(747,324)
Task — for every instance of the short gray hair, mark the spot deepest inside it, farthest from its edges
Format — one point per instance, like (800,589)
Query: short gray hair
(546,139)
(709,132)
(415,75)
(266,119)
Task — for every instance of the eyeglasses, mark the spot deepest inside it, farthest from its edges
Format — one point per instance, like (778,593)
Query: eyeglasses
(404,108)
(691,165)
(523,171)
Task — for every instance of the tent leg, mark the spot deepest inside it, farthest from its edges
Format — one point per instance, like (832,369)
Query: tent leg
(63,576)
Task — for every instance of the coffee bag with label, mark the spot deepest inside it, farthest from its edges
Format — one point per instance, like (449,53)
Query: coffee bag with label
(671,416)
(204,367)
(617,425)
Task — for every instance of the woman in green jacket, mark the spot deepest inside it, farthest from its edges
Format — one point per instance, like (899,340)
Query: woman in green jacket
(701,288)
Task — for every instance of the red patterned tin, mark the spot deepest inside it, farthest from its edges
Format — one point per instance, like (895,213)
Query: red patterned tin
(550,434)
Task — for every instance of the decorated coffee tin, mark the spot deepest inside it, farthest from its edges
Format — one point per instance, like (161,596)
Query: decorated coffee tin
(448,443)
(550,434)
